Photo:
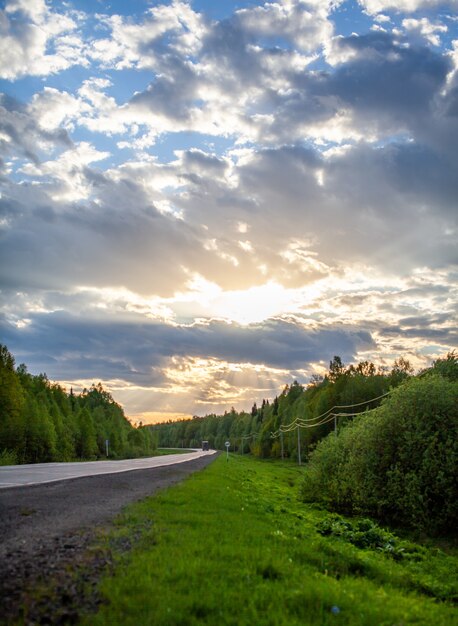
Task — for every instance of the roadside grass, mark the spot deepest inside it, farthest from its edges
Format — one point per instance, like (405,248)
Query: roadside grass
(234,545)
(164,451)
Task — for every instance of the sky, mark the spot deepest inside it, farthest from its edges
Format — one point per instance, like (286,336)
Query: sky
(202,201)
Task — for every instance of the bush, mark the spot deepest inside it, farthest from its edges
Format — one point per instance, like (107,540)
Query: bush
(8,457)
(397,463)
(367,535)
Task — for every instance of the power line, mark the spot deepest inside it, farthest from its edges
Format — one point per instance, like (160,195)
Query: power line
(344,406)
(325,417)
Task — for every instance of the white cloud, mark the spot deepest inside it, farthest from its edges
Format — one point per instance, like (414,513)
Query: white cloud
(382,19)
(68,180)
(35,9)
(36,41)
(404,6)
(424,29)
(306,24)
(89,107)
(53,108)
(133,44)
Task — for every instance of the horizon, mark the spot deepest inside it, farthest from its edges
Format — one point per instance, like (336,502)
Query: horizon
(202,202)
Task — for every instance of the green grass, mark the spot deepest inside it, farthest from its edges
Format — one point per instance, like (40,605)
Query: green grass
(234,545)
(164,451)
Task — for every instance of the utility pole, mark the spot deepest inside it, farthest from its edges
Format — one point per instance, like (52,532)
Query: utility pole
(335,424)
(282,450)
(299,445)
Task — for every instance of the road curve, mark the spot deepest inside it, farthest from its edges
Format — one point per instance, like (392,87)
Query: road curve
(40,473)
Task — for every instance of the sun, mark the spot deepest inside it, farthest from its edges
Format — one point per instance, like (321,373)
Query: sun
(255,304)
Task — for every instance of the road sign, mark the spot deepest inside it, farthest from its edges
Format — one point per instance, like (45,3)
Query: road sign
(227,444)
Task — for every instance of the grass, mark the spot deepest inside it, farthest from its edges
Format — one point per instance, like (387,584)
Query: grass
(234,545)
(164,451)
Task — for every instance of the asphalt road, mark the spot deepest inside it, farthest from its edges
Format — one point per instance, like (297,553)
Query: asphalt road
(47,530)
(38,473)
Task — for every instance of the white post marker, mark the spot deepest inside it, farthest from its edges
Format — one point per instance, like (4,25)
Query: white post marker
(299,445)
(107,442)
(227,444)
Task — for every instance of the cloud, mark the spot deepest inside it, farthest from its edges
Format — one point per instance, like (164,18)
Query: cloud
(53,109)
(74,340)
(424,29)
(22,135)
(85,226)
(36,41)
(405,6)
(305,23)
(138,44)
(95,245)
(385,84)
(200,89)
(71,181)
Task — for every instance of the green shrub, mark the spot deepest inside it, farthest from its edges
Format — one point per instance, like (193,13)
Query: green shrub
(398,463)
(366,534)
(8,457)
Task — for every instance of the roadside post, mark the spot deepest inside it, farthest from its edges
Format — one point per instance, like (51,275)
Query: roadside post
(227,444)
(107,443)
(299,446)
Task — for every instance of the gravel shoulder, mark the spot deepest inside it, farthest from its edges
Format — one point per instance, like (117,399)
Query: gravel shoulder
(46,533)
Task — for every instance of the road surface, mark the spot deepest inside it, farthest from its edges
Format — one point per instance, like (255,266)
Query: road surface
(47,530)
(39,473)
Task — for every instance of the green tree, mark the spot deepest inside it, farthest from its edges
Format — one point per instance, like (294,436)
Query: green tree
(336,369)
(447,366)
(87,442)
(11,402)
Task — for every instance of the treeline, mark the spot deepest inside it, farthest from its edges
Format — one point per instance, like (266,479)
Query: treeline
(41,422)
(251,431)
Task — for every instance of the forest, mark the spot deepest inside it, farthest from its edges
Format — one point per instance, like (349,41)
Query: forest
(40,422)
(373,442)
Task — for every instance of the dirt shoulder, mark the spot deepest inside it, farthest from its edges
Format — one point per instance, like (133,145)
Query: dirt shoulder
(46,532)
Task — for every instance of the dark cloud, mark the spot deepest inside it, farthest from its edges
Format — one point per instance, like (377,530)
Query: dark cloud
(66,344)
(424,321)
(446,336)
(227,47)
(122,240)
(387,82)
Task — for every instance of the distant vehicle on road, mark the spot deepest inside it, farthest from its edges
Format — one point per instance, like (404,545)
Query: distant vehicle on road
(205,446)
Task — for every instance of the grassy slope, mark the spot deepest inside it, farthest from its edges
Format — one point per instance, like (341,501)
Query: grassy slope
(233,545)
